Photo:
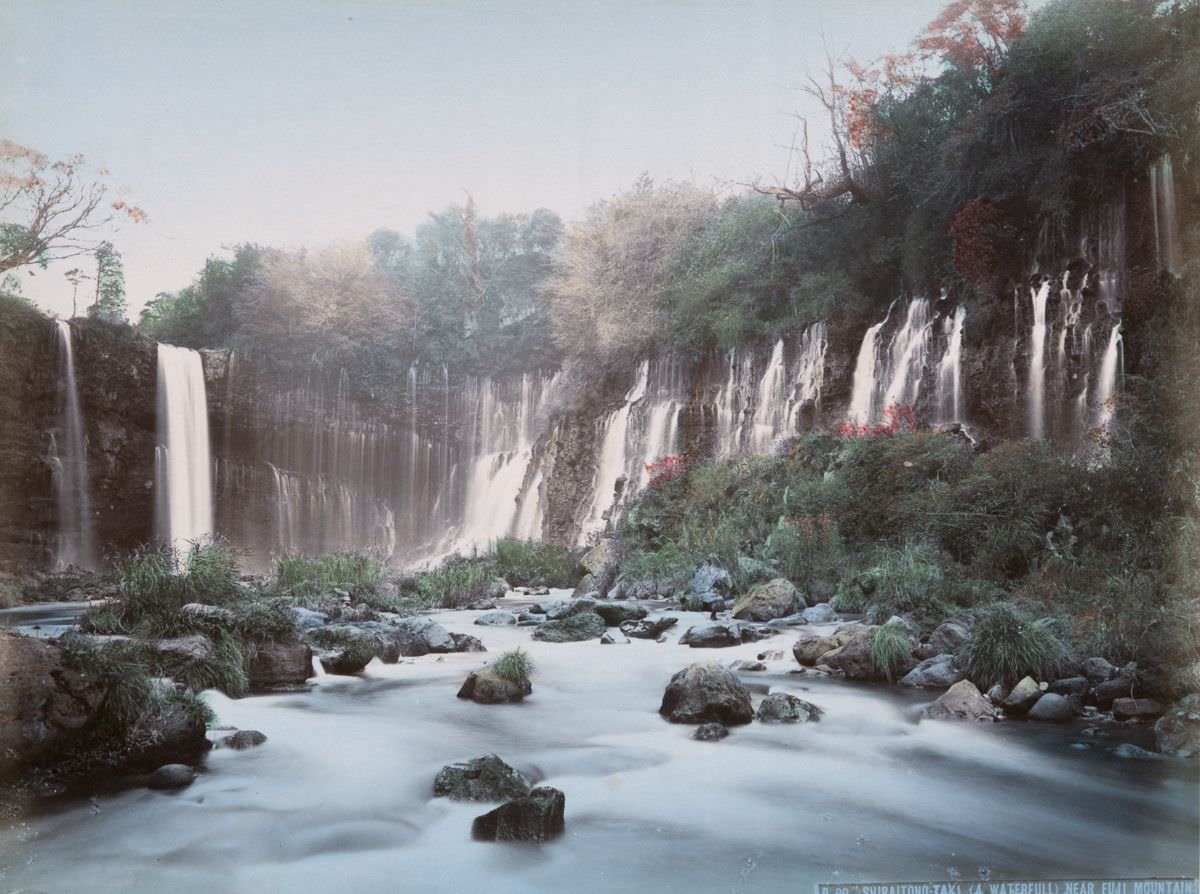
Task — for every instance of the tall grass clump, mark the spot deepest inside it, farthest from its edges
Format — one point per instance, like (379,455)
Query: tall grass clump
(891,649)
(531,563)
(907,579)
(1006,646)
(515,666)
(457,582)
(302,577)
(806,548)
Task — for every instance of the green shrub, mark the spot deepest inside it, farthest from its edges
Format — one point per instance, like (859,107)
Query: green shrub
(1006,646)
(304,578)
(515,666)
(265,621)
(891,649)
(122,668)
(531,563)
(908,579)
(354,645)
(806,548)
(457,582)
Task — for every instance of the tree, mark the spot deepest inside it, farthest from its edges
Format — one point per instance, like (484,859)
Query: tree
(52,210)
(110,285)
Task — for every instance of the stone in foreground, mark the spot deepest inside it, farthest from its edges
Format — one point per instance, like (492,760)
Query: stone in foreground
(486,778)
(1052,708)
(171,776)
(536,817)
(703,693)
(486,687)
(961,702)
(783,707)
(710,732)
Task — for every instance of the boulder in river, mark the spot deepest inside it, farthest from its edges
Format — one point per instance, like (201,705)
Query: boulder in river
(808,650)
(821,613)
(602,562)
(536,817)
(168,732)
(243,739)
(497,619)
(615,614)
(703,602)
(1052,708)
(612,639)
(938,672)
(280,665)
(713,635)
(854,658)
(414,637)
(783,707)
(949,638)
(1069,686)
(703,693)
(775,599)
(648,629)
(1137,708)
(171,776)
(1022,697)
(1178,731)
(962,701)
(571,629)
(1123,685)
(486,687)
(486,778)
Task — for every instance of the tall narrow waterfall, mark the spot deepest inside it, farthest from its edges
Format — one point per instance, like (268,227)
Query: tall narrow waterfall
(908,355)
(1166,225)
(1107,380)
(949,393)
(183,467)
(1037,363)
(75,543)
(613,458)
(863,388)
(770,407)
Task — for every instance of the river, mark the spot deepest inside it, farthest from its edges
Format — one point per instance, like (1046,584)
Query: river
(338,799)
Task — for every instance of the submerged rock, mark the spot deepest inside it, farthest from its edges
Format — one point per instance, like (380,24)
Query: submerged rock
(961,702)
(706,692)
(648,629)
(171,776)
(486,778)
(1129,751)
(783,707)
(243,739)
(537,817)
(571,629)
(711,732)
(1178,731)
(486,687)
(775,599)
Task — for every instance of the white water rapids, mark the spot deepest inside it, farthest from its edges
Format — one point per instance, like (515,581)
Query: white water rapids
(339,797)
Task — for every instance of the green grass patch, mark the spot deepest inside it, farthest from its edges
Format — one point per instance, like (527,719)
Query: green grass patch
(531,563)
(1006,645)
(456,582)
(891,650)
(515,666)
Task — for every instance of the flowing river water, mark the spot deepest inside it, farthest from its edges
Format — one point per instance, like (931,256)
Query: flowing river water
(339,797)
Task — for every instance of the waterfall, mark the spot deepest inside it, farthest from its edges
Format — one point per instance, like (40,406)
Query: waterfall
(809,375)
(949,382)
(1166,225)
(1107,380)
(769,409)
(731,403)
(1035,393)
(183,467)
(612,460)
(75,543)
(863,387)
(908,356)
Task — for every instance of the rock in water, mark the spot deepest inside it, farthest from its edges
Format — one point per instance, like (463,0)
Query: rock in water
(243,739)
(1052,708)
(486,687)
(808,651)
(276,665)
(486,778)
(783,707)
(572,629)
(648,629)
(497,619)
(171,776)
(714,635)
(961,702)
(615,615)
(612,639)
(938,672)
(775,599)
(822,613)
(536,817)
(1178,731)
(1136,708)
(711,732)
(703,693)
(1023,696)
(1097,670)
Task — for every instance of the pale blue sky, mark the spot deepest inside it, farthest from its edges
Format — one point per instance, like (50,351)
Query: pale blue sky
(297,122)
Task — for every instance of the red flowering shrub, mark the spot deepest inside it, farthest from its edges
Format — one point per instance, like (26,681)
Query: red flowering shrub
(901,420)
(666,468)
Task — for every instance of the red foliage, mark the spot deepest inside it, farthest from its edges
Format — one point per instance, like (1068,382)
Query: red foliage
(666,468)
(974,34)
(901,420)
(979,233)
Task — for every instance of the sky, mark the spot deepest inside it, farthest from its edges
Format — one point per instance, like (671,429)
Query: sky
(300,123)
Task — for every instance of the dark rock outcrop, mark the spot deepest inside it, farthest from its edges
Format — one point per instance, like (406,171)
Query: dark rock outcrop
(571,629)
(1178,731)
(171,776)
(244,739)
(710,732)
(488,688)
(783,707)
(280,665)
(648,629)
(615,614)
(714,635)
